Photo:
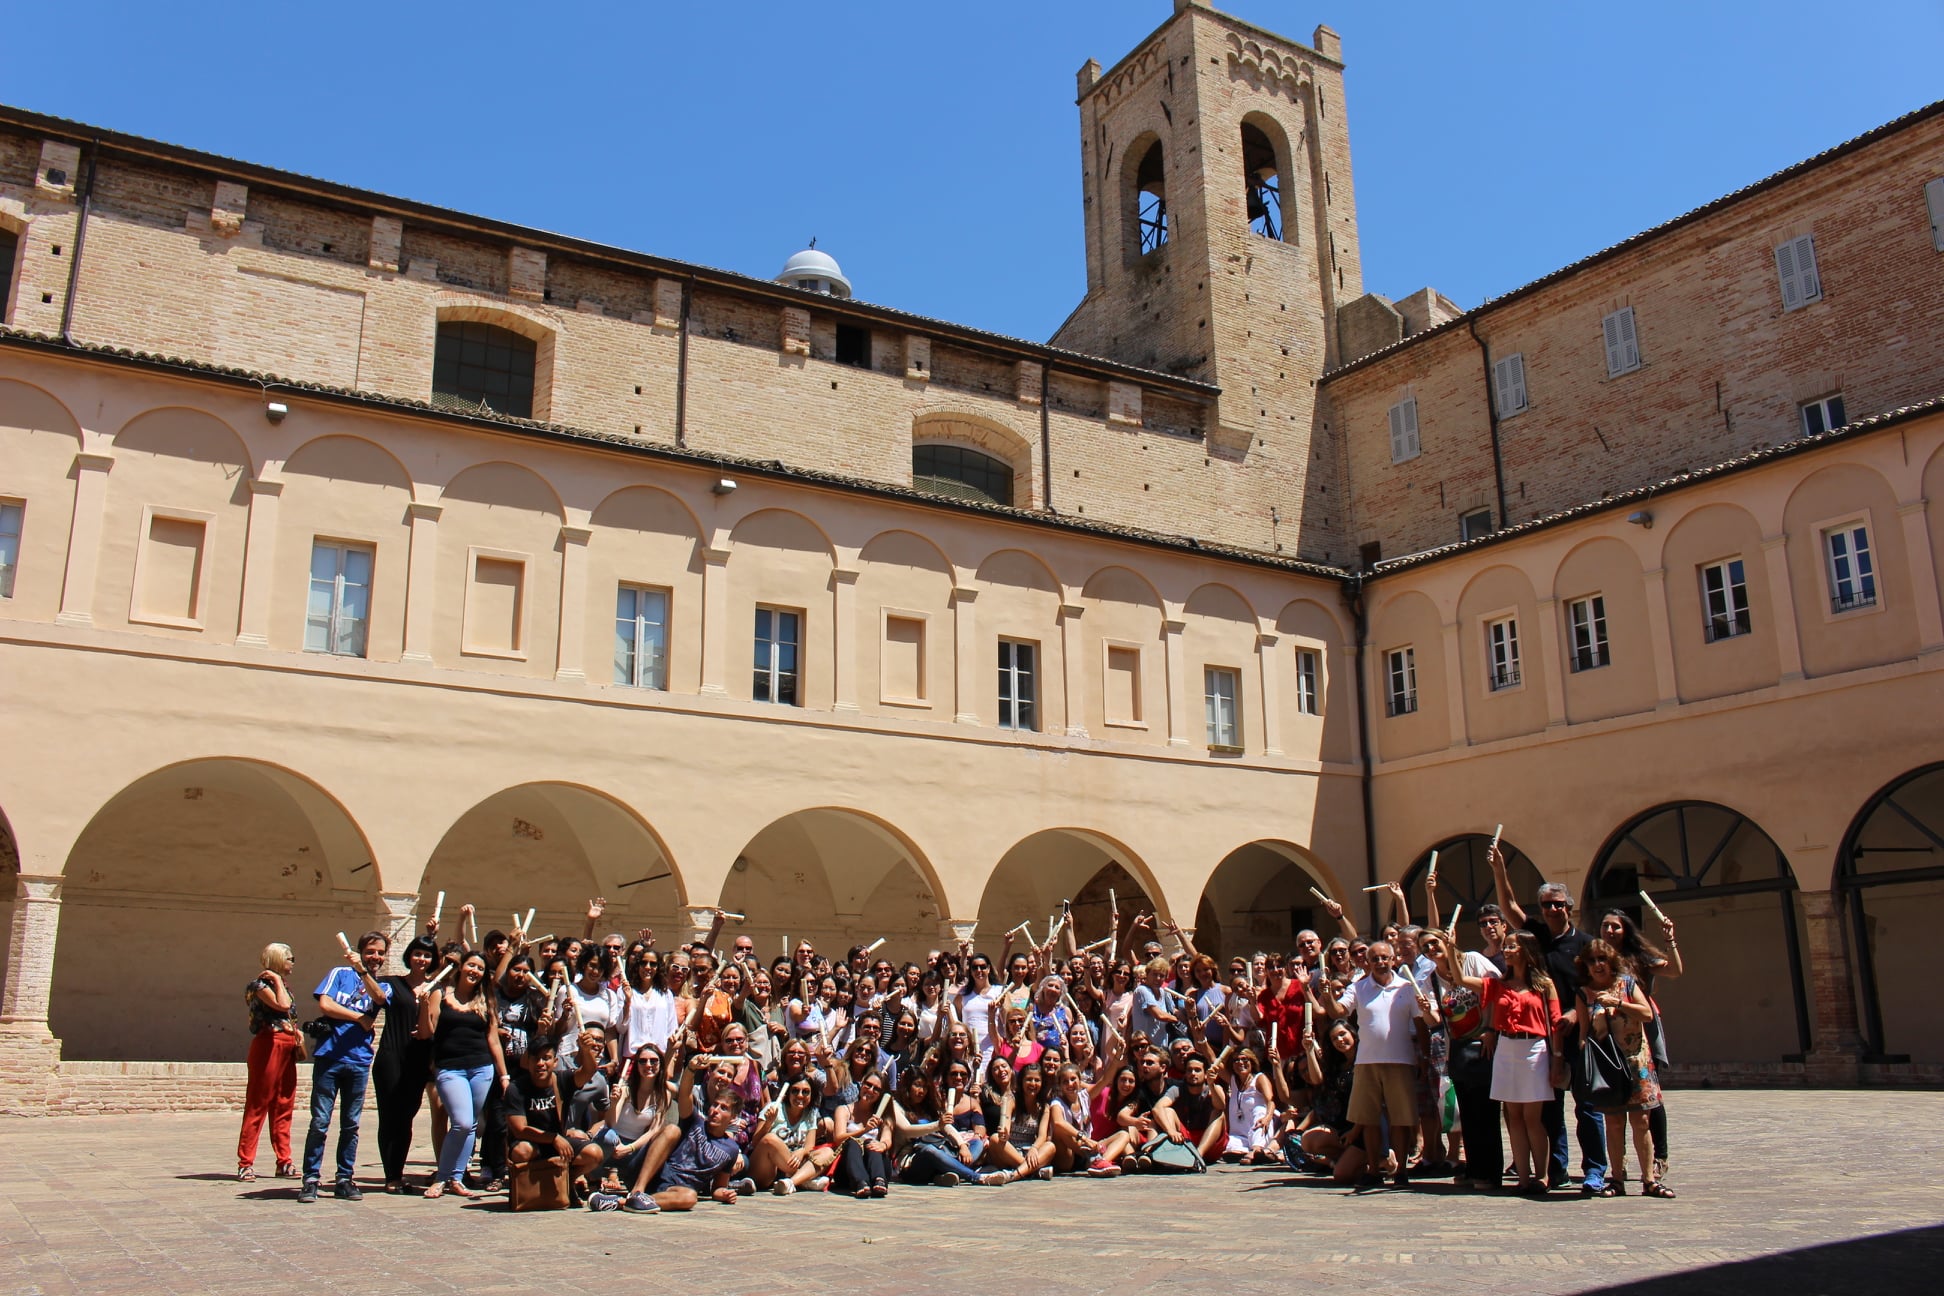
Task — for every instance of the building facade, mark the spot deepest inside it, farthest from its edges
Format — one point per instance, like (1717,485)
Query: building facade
(357,551)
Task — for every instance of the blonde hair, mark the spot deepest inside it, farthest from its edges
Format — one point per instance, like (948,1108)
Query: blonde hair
(276,957)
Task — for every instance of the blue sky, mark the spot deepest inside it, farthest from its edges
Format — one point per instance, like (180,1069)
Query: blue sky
(934,148)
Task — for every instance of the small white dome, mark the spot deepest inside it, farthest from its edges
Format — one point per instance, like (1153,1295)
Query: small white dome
(815,271)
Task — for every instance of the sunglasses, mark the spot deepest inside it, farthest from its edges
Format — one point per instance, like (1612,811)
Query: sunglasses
(1554,904)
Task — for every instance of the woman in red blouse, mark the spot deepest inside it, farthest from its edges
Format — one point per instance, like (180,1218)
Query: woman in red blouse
(1522,1012)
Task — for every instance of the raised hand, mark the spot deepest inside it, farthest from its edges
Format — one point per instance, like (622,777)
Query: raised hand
(596,907)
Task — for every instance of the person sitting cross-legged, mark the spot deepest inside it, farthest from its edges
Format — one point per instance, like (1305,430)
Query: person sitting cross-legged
(539,1153)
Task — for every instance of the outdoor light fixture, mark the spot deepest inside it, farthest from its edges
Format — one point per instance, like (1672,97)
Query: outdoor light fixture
(275,411)
(1642,519)
(724,485)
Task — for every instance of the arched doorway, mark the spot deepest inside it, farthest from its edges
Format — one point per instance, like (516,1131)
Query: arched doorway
(552,847)
(1727,886)
(1465,878)
(1890,872)
(1075,864)
(9,890)
(837,878)
(171,893)
(1258,898)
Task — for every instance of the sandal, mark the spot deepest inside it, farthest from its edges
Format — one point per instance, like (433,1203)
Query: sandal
(458,1189)
(286,1170)
(434,1189)
(245,1173)
(1657,1189)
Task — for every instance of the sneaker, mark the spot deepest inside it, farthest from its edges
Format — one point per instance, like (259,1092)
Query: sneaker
(1127,1164)
(348,1191)
(308,1193)
(783,1187)
(1102,1169)
(641,1204)
(1595,1184)
(603,1201)
(743,1187)
(820,1184)
(997,1178)
(1144,1163)
(1044,1173)
(947,1180)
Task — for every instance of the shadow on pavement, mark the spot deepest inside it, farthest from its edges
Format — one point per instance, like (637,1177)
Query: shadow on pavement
(1908,1261)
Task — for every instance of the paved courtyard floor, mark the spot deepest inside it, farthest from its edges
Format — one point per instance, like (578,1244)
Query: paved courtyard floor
(1779,1193)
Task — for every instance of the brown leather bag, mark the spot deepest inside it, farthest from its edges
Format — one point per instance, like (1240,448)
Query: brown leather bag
(539,1184)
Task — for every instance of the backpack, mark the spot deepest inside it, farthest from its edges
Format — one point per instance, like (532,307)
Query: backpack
(1168,1157)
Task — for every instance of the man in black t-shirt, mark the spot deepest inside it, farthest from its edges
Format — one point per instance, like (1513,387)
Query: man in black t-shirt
(1561,943)
(534,1130)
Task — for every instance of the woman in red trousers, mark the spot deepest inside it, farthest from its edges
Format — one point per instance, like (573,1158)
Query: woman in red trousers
(275,1049)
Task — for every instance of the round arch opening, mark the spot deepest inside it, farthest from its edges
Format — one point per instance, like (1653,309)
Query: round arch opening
(1465,878)
(553,848)
(1089,868)
(1890,873)
(1731,894)
(837,878)
(172,891)
(1259,897)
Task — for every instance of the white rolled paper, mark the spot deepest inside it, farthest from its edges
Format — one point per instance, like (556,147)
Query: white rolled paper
(1497,833)
(344,942)
(527,926)
(1651,905)
(1433,871)
(876,945)
(438,907)
(1319,895)
(444,972)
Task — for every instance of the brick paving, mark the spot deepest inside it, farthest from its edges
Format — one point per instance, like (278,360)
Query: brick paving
(1780,1192)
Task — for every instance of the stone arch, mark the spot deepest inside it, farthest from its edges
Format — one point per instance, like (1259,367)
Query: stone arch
(837,876)
(185,874)
(1890,875)
(949,427)
(1258,897)
(615,510)
(782,528)
(550,846)
(1066,863)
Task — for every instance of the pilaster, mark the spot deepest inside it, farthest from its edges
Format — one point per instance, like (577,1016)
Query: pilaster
(84,539)
(259,564)
(422,580)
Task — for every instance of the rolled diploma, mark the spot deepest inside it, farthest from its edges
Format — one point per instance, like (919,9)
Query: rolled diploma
(1096,945)
(1273,1031)
(444,972)
(472,931)
(1456,910)
(1319,895)
(342,941)
(1433,871)
(736,917)
(527,926)
(1651,905)
(1379,887)
(876,945)
(1497,833)
(438,907)
(882,1104)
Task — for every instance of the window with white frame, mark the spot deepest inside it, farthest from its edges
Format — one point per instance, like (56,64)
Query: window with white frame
(1404,430)
(1822,414)
(1219,687)
(1795,265)
(338,616)
(1502,653)
(1309,671)
(1509,385)
(779,638)
(1018,685)
(1400,676)
(1724,599)
(12,514)
(1586,622)
(1852,572)
(641,637)
(1622,342)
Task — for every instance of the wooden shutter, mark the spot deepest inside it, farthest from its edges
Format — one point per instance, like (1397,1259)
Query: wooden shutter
(1934,199)
(1403,430)
(1795,264)
(1508,376)
(1622,346)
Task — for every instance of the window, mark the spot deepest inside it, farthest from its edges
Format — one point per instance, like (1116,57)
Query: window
(853,346)
(1502,652)
(1370,553)
(1852,574)
(1622,343)
(902,659)
(1400,672)
(961,473)
(496,606)
(1934,200)
(779,635)
(339,613)
(9,248)
(641,637)
(12,514)
(1474,524)
(1819,416)
(1218,690)
(1404,430)
(1586,619)
(1795,264)
(483,367)
(1151,200)
(1309,699)
(1724,597)
(1262,183)
(1018,690)
(1508,386)
(1122,695)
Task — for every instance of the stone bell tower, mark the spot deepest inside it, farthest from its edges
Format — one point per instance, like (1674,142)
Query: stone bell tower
(1221,227)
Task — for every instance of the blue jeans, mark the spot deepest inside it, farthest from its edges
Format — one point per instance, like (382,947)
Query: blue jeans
(340,1085)
(1589,1126)
(927,1163)
(464,1094)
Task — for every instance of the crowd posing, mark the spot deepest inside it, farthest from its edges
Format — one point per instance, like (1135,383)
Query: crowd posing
(617,1074)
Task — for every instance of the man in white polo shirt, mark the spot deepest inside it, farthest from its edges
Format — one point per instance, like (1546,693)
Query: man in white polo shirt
(1388,1010)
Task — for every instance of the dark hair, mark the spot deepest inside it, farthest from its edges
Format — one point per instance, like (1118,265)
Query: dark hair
(731,1096)
(1635,948)
(1597,949)
(494,937)
(420,945)
(371,936)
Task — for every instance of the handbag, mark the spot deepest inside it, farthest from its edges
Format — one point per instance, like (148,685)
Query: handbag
(1605,1084)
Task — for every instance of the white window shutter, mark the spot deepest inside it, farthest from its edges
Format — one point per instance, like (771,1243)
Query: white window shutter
(1403,430)
(1806,276)
(1509,379)
(1934,199)
(1622,346)
(1795,265)
(1785,270)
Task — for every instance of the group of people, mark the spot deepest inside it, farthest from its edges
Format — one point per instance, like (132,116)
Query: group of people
(614,1073)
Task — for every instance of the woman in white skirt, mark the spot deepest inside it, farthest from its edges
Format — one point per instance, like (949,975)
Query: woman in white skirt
(1523,1009)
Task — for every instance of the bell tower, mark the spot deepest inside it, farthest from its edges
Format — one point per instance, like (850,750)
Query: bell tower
(1221,227)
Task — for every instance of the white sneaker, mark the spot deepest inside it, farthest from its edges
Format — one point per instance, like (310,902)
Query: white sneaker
(783,1187)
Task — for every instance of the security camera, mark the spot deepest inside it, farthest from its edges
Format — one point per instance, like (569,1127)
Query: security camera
(275,411)
(1642,519)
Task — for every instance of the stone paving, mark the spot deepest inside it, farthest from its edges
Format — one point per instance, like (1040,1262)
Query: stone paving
(1780,1192)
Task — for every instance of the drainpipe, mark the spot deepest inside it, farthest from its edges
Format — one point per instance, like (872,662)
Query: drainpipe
(681,366)
(1355,597)
(80,241)
(1046,440)
(1491,412)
